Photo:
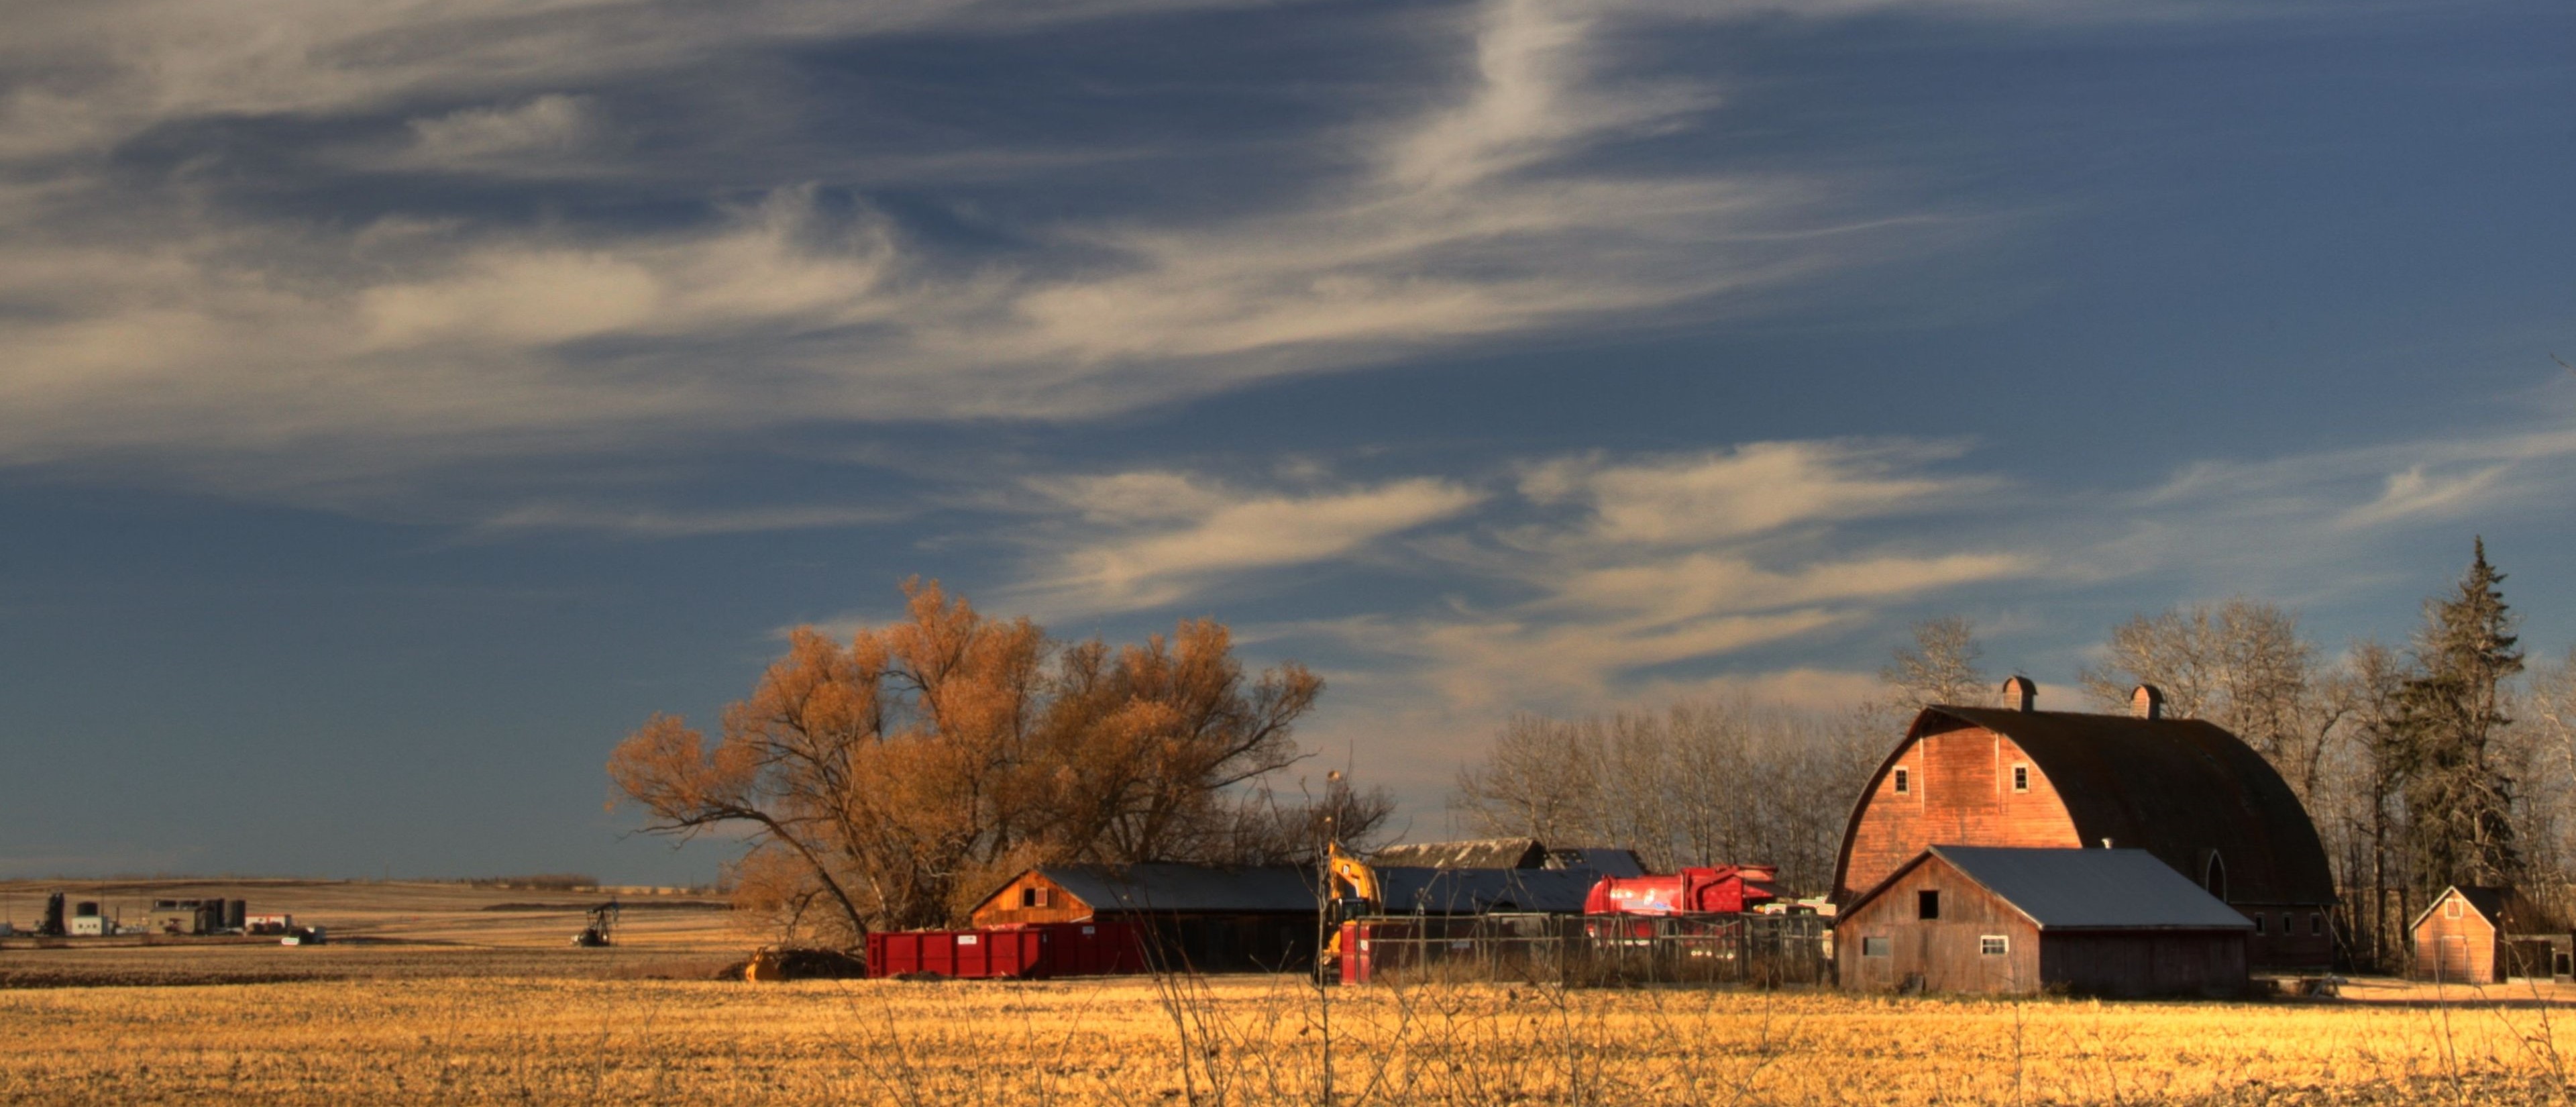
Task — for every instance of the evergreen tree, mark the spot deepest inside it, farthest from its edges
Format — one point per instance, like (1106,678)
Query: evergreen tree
(2445,716)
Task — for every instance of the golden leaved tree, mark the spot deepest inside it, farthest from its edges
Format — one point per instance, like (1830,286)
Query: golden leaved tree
(890,782)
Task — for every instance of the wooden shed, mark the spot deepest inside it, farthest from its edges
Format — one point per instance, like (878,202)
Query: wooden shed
(2186,791)
(2003,920)
(2479,935)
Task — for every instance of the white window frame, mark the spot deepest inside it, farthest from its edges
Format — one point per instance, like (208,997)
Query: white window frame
(1904,781)
(2021,776)
(1994,945)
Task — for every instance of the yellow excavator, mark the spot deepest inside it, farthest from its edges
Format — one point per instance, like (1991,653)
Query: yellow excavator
(1355,895)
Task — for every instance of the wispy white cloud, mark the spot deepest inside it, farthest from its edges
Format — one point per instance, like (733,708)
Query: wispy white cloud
(161,328)
(1167,535)
(549,127)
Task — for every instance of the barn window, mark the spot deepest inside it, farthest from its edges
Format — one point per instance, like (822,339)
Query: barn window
(2258,922)
(2021,778)
(1994,945)
(2451,908)
(1904,781)
(1927,905)
(2316,922)
(2213,876)
(1873,947)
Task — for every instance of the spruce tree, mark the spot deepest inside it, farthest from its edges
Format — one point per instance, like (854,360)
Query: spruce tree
(2459,806)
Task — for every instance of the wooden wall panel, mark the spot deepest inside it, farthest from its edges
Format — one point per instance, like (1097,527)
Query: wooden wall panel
(1947,954)
(1961,795)
(1009,905)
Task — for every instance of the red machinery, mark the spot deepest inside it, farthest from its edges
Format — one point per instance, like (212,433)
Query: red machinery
(1724,890)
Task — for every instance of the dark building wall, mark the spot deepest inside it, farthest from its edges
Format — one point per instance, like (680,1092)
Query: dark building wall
(1226,943)
(2144,962)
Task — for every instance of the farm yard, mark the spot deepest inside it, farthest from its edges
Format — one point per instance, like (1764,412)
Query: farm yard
(437,997)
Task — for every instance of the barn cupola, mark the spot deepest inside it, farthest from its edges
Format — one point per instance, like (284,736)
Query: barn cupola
(2019,692)
(2147,702)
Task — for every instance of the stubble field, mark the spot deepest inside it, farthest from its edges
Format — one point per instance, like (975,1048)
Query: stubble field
(505,1013)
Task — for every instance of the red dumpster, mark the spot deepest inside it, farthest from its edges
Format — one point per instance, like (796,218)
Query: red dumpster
(1032,952)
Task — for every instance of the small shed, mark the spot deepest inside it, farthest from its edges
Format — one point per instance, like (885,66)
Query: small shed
(2484,935)
(2013,920)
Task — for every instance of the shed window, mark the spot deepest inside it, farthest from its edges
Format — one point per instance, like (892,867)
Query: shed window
(1994,945)
(2021,778)
(2451,908)
(1927,905)
(1904,781)
(1873,947)
(1033,897)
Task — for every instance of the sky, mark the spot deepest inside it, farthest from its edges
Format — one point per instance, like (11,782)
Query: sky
(400,403)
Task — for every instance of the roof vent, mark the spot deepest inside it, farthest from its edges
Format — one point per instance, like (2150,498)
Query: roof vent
(2018,692)
(2148,702)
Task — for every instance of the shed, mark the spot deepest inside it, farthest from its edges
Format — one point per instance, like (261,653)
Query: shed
(2010,920)
(2196,797)
(1211,918)
(2484,935)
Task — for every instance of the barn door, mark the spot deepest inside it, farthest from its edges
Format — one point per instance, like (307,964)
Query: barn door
(2455,957)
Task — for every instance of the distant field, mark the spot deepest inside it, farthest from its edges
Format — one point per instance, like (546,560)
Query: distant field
(446,1001)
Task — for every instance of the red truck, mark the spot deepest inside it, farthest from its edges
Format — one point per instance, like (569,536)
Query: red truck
(1723,890)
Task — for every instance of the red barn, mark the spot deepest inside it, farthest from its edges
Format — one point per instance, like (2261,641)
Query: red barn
(2188,792)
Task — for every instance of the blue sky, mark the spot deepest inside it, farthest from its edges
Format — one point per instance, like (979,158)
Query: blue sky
(398,404)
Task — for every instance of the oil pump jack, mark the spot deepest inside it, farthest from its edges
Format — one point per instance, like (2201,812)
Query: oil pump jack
(602,930)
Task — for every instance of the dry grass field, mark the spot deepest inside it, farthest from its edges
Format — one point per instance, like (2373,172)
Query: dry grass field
(444,1001)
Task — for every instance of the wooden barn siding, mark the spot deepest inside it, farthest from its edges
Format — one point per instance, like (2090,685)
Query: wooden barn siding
(2144,962)
(1945,953)
(1962,795)
(2462,950)
(1004,906)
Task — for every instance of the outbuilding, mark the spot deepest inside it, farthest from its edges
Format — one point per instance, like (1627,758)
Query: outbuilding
(2481,935)
(2018,921)
(1208,918)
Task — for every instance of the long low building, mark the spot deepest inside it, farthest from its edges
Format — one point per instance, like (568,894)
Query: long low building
(2018,921)
(1262,918)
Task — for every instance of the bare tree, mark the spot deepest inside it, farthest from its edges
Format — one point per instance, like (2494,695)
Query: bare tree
(2242,665)
(1699,783)
(899,777)
(1941,667)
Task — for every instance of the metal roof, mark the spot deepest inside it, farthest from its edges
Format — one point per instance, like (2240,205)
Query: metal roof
(1211,889)
(2087,889)
(1411,890)
(1480,853)
(1602,860)
(2181,789)
(1403,889)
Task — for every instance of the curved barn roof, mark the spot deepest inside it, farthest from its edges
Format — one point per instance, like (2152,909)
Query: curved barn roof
(2178,788)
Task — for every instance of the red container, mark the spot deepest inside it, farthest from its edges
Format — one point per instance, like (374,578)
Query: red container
(1024,952)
